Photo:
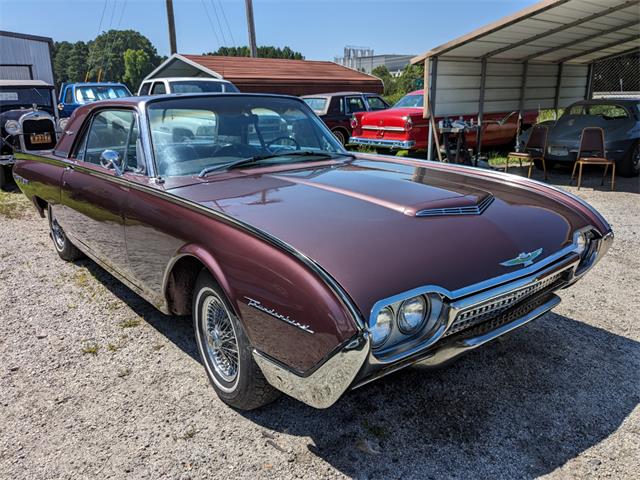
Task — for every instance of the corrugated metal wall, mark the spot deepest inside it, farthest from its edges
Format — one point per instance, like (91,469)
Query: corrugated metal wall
(458,86)
(15,52)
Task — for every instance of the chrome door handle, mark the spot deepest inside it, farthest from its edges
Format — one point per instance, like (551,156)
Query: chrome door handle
(68,168)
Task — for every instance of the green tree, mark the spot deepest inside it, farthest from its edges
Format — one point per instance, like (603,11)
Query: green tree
(106,53)
(137,65)
(383,73)
(263,52)
(77,62)
(61,53)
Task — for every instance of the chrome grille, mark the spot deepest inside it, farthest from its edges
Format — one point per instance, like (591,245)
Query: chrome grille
(470,210)
(484,311)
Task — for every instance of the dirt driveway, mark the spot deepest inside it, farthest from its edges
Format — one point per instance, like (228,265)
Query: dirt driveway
(94,383)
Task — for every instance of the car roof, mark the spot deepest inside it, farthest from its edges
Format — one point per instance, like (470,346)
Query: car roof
(174,79)
(627,101)
(92,84)
(24,83)
(339,94)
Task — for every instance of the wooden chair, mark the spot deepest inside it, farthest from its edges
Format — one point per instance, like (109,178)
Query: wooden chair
(592,152)
(533,150)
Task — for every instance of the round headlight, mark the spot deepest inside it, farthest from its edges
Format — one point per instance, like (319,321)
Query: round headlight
(412,314)
(62,123)
(12,127)
(381,331)
(581,244)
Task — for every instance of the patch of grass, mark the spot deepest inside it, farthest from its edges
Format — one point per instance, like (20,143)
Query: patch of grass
(13,205)
(113,348)
(377,431)
(91,349)
(81,278)
(131,323)
(114,305)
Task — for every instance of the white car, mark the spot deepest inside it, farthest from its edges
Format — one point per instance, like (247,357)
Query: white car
(160,86)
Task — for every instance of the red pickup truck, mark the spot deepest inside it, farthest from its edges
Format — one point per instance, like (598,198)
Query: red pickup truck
(403,126)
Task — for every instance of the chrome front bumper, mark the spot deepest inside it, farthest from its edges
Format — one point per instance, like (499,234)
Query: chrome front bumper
(354,364)
(383,143)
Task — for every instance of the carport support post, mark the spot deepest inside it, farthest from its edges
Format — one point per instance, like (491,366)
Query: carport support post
(556,99)
(523,93)
(588,93)
(430,99)
(483,82)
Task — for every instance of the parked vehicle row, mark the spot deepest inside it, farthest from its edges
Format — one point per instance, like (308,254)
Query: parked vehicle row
(307,269)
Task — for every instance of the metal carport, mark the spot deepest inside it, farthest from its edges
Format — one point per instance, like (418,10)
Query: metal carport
(539,58)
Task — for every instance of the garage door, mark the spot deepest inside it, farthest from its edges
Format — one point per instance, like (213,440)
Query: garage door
(15,72)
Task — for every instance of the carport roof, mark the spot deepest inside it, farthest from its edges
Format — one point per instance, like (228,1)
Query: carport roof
(552,31)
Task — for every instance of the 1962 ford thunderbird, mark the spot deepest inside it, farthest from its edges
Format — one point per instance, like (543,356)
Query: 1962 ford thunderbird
(307,269)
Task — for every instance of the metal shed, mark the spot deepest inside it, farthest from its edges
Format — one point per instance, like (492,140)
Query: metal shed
(539,58)
(270,75)
(25,57)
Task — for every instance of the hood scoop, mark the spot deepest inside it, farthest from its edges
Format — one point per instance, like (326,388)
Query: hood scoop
(460,210)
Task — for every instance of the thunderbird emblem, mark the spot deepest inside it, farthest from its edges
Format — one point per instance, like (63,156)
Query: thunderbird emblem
(525,259)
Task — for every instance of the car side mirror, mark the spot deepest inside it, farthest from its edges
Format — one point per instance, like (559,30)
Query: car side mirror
(111,159)
(60,106)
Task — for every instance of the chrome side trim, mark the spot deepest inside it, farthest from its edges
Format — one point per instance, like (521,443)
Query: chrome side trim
(326,384)
(384,129)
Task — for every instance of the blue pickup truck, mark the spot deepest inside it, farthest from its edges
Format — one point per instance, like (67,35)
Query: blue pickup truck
(72,95)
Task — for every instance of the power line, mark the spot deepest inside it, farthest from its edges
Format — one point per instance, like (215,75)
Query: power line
(215,11)
(113,12)
(124,5)
(204,5)
(102,17)
(224,15)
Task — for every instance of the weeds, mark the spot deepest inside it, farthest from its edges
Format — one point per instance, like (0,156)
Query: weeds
(91,349)
(131,323)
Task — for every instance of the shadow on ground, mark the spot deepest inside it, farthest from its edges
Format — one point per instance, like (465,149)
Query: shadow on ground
(520,407)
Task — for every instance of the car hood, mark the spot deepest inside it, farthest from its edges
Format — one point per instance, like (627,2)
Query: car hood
(360,220)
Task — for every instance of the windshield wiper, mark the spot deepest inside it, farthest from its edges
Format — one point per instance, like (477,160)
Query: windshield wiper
(258,158)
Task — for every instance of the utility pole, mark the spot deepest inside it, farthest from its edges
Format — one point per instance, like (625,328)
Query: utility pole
(172,27)
(253,48)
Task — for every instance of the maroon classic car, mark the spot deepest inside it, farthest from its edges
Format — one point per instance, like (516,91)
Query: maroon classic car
(307,269)
(336,109)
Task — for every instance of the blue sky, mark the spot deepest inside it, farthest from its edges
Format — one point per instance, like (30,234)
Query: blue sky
(318,28)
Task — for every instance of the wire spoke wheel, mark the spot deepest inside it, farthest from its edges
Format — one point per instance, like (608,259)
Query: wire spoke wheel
(220,342)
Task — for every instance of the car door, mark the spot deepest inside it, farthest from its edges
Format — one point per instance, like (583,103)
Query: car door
(92,194)
(67,102)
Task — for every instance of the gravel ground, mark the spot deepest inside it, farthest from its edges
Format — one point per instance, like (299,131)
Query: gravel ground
(95,383)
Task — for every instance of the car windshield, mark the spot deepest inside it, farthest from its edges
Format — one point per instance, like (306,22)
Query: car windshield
(409,101)
(201,86)
(100,92)
(15,97)
(607,111)
(197,134)
(316,104)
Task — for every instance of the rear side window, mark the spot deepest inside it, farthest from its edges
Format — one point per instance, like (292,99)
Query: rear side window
(354,104)
(158,89)
(68,95)
(144,89)
(316,104)
(376,103)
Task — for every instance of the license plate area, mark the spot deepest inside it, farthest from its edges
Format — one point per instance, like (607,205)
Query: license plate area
(40,138)
(559,151)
